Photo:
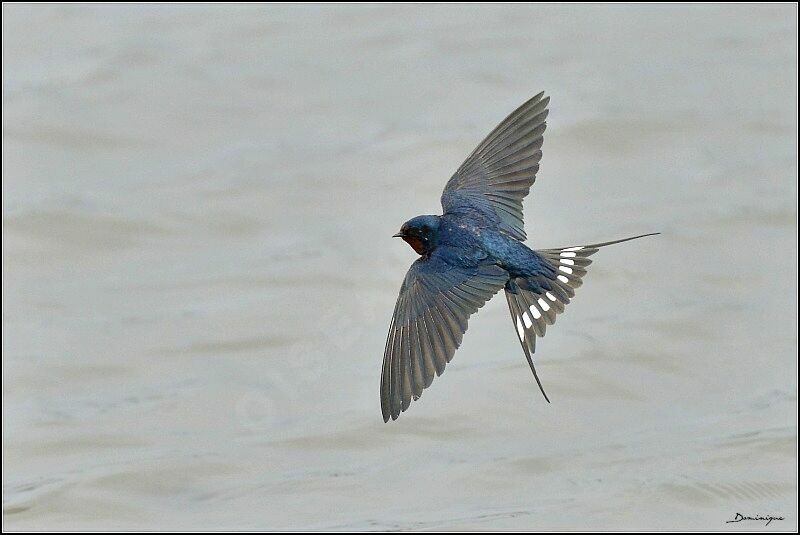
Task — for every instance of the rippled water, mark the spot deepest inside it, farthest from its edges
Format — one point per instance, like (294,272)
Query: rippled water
(198,275)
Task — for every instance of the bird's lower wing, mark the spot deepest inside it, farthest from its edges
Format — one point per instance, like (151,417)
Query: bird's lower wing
(534,302)
(428,324)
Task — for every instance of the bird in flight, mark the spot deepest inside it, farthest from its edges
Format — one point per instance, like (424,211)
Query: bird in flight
(469,253)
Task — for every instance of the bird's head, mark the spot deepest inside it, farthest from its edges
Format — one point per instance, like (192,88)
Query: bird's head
(421,233)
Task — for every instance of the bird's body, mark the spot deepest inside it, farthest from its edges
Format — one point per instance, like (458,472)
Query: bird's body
(464,240)
(470,252)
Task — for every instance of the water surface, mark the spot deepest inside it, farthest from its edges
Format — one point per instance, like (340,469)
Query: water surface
(198,275)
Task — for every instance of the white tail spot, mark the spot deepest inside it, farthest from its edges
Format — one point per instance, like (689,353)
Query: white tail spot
(535,312)
(563,279)
(543,304)
(567,255)
(527,320)
(520,330)
(573,248)
(565,269)
(567,261)
(550,296)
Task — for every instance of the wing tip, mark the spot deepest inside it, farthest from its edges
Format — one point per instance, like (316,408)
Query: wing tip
(391,416)
(384,409)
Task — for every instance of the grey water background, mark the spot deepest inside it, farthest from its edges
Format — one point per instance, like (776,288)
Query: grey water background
(198,273)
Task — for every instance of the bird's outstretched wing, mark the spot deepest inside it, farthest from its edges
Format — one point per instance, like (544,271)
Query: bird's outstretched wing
(429,321)
(498,174)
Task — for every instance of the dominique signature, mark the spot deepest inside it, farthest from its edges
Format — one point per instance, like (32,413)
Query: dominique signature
(768,518)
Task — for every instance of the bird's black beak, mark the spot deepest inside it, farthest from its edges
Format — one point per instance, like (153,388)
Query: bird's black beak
(399,235)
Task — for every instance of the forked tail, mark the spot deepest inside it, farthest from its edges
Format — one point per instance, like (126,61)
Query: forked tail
(535,301)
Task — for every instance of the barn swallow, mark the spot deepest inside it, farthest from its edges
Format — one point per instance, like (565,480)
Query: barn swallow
(469,253)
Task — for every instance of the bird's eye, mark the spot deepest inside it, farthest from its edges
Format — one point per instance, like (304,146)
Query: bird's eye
(425,231)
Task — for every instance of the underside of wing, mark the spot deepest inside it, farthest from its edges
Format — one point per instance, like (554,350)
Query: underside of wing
(499,173)
(428,324)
